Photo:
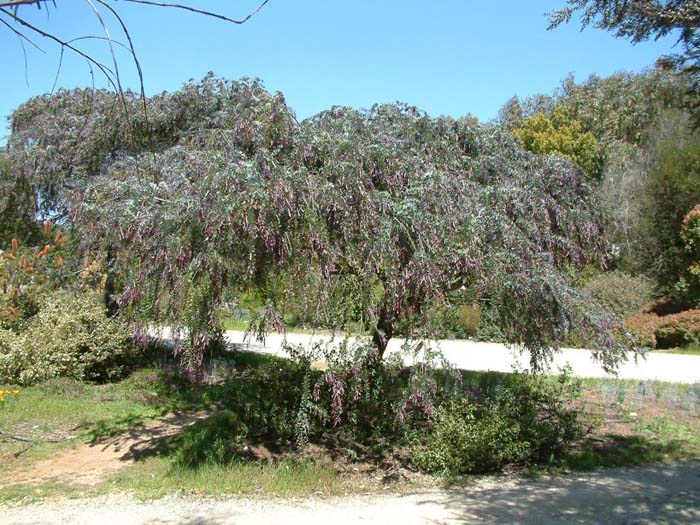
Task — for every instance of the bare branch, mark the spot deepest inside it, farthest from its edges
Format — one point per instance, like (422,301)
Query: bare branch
(131,47)
(106,71)
(201,11)
(15,3)
(58,71)
(21,35)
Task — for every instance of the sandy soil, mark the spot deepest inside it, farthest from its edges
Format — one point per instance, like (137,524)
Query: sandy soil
(659,495)
(91,463)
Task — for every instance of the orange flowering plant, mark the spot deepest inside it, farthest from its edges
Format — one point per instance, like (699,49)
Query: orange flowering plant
(24,270)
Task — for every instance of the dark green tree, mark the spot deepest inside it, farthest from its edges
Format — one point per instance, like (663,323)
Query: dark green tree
(639,20)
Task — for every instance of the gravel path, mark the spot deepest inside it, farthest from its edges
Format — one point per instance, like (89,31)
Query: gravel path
(660,495)
(470,355)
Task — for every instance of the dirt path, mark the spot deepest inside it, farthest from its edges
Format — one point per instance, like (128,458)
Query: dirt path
(660,495)
(91,463)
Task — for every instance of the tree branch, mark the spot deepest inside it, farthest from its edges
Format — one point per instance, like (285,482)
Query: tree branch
(201,11)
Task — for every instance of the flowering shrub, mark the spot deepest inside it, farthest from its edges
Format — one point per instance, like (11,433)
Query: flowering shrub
(689,284)
(25,271)
(365,398)
(677,329)
(68,337)
(643,328)
(7,393)
(690,232)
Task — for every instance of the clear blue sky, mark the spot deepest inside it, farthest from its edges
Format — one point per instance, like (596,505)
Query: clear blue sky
(448,57)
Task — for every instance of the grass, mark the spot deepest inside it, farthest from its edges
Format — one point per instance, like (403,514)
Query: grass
(156,477)
(61,412)
(76,405)
(628,451)
(637,422)
(91,412)
(36,492)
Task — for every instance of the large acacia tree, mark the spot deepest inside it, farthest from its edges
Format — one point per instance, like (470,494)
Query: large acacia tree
(229,193)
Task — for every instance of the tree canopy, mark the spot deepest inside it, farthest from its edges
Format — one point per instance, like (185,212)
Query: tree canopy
(559,134)
(640,20)
(229,193)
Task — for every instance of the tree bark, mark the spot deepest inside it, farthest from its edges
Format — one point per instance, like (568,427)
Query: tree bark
(110,288)
(383,332)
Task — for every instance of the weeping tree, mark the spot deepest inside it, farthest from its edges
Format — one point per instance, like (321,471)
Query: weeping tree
(229,193)
(414,208)
(180,214)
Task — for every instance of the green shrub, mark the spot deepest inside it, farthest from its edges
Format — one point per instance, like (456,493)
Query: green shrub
(621,293)
(68,337)
(441,321)
(471,438)
(10,364)
(543,408)
(527,418)
(469,316)
(266,398)
(220,440)
(264,391)
(489,328)
(460,321)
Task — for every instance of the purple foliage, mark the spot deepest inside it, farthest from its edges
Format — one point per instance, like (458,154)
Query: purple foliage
(220,190)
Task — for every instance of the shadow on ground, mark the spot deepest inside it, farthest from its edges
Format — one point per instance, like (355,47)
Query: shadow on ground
(662,494)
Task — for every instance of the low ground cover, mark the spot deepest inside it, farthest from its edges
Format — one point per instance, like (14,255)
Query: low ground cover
(239,432)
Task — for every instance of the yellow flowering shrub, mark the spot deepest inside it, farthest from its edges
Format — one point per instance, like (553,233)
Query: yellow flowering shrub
(559,134)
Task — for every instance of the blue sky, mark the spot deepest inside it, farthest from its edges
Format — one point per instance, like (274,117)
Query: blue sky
(448,57)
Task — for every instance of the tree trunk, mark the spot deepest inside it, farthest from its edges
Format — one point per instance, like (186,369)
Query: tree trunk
(110,288)
(383,332)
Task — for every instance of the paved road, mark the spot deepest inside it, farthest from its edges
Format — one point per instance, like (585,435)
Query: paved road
(471,355)
(654,495)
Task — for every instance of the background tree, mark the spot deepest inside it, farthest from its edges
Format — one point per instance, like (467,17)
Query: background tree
(632,117)
(558,134)
(689,285)
(639,20)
